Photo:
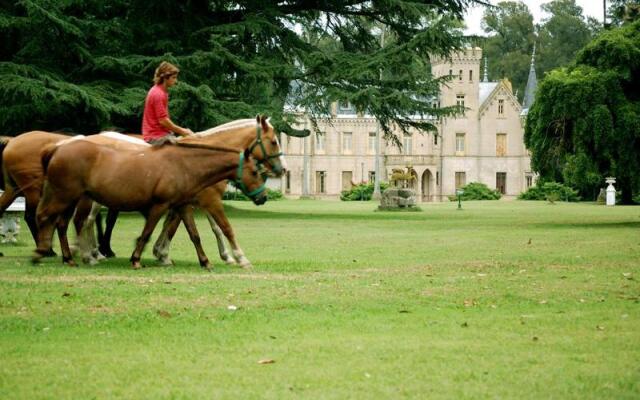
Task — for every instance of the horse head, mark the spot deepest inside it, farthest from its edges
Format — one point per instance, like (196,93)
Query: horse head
(250,180)
(266,148)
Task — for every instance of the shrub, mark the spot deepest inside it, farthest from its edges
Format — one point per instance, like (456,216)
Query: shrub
(272,194)
(361,192)
(551,191)
(477,191)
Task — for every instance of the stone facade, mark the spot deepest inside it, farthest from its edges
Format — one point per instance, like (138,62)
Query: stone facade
(485,145)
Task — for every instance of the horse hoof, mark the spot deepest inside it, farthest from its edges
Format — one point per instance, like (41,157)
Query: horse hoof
(207,267)
(166,261)
(136,265)
(36,258)
(69,262)
(49,253)
(107,253)
(90,261)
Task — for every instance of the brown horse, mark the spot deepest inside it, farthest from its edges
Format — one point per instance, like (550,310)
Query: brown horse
(151,181)
(210,199)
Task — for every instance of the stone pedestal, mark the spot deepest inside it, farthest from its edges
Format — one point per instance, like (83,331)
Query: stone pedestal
(398,199)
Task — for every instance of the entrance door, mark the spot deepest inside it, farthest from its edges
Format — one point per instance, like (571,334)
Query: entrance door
(426,186)
(501,182)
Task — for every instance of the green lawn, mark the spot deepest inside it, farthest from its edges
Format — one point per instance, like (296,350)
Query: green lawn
(499,300)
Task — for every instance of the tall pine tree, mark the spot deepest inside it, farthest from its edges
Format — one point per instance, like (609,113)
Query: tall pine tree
(85,65)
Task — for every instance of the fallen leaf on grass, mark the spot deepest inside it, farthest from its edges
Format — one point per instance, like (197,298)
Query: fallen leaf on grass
(164,314)
(66,294)
(600,327)
(628,275)
(266,361)
(232,307)
(542,302)
(470,303)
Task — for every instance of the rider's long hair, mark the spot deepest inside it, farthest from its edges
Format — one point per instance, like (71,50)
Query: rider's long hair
(164,71)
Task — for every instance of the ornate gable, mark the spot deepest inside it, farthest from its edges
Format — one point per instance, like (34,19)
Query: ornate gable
(502,88)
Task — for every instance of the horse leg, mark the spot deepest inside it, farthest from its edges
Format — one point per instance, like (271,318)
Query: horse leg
(222,247)
(47,214)
(84,221)
(63,225)
(31,199)
(105,242)
(153,216)
(186,213)
(7,197)
(215,211)
(161,248)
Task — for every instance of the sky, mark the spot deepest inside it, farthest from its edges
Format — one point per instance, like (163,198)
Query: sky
(591,8)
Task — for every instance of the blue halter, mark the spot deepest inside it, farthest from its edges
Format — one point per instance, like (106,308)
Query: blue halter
(240,184)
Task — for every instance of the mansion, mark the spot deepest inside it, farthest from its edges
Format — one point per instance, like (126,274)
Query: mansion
(483,145)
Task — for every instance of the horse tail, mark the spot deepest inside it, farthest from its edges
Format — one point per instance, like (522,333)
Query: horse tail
(4,141)
(46,154)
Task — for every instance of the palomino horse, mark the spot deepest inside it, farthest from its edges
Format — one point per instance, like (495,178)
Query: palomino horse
(209,200)
(151,181)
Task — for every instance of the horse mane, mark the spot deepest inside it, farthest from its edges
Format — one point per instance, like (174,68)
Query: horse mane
(239,123)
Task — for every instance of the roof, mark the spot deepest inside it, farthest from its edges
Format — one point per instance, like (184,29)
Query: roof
(486,88)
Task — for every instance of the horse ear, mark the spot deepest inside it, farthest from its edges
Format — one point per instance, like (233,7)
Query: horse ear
(263,122)
(258,119)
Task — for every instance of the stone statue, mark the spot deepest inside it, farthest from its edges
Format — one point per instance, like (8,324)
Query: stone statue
(400,195)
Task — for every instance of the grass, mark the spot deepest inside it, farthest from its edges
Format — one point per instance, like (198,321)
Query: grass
(499,300)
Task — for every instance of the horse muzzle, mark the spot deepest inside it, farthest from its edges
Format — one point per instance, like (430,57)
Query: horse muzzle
(260,199)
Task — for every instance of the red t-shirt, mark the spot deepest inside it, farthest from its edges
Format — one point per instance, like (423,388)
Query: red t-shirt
(156,107)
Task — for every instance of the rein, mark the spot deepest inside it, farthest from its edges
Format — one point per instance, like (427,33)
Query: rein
(206,147)
(238,179)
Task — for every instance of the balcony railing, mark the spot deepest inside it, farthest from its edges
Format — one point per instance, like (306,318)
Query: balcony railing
(408,159)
